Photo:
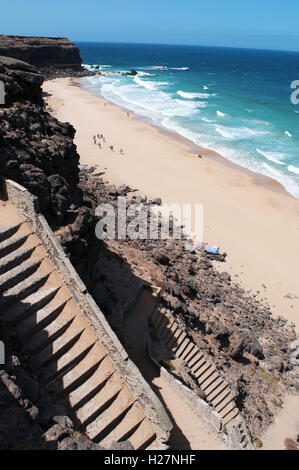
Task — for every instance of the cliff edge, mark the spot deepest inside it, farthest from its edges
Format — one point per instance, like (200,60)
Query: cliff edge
(41,51)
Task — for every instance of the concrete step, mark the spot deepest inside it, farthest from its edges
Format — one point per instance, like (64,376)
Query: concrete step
(154,446)
(156,312)
(126,428)
(8,231)
(187,350)
(175,333)
(81,369)
(162,326)
(194,359)
(178,339)
(217,391)
(191,353)
(221,406)
(182,347)
(55,353)
(229,412)
(171,333)
(169,323)
(144,436)
(215,383)
(159,318)
(219,401)
(12,244)
(29,305)
(65,352)
(210,381)
(100,402)
(18,274)
(15,258)
(81,394)
(24,289)
(110,418)
(207,374)
(200,367)
(169,330)
(48,335)
(37,321)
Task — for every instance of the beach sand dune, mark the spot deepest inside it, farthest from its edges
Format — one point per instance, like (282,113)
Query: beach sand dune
(251,217)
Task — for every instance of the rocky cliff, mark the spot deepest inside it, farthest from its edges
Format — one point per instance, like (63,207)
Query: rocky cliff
(41,52)
(37,151)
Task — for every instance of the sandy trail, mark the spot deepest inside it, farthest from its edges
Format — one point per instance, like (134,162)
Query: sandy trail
(249,216)
(286,425)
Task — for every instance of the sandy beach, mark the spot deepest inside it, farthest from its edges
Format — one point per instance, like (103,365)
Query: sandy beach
(249,216)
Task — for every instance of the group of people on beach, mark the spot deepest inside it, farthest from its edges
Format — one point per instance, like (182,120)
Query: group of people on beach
(99,139)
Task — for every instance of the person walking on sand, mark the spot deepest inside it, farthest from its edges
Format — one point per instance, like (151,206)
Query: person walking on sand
(111,148)
(121,152)
(100,145)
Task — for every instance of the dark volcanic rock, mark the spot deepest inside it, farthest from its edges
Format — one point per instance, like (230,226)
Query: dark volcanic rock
(21,80)
(162,258)
(37,151)
(41,51)
(132,73)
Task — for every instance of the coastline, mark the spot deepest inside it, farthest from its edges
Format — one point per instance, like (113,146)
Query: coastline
(194,149)
(250,216)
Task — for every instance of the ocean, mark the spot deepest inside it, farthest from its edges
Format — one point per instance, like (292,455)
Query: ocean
(234,101)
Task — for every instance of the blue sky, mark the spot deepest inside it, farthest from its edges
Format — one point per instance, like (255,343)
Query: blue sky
(267,24)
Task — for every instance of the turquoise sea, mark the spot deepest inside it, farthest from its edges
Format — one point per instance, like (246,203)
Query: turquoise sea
(234,101)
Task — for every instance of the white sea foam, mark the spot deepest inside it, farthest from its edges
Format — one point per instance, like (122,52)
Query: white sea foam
(191,104)
(154,67)
(288,134)
(262,123)
(207,120)
(272,156)
(141,73)
(293,169)
(179,68)
(148,84)
(192,96)
(148,101)
(220,114)
(170,124)
(205,87)
(93,66)
(225,133)
(238,133)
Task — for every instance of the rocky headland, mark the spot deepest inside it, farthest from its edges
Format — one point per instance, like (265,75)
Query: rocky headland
(55,57)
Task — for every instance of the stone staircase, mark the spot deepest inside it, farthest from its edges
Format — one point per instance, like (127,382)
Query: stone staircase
(62,347)
(217,390)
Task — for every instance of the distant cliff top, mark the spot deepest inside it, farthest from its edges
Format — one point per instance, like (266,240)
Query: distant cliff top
(41,51)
